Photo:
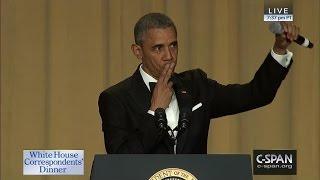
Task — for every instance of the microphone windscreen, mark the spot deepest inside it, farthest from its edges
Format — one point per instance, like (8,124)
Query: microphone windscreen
(276,28)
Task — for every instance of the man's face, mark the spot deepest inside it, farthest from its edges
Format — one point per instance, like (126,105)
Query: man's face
(159,48)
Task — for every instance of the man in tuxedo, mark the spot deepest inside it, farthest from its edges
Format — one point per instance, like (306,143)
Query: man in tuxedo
(143,113)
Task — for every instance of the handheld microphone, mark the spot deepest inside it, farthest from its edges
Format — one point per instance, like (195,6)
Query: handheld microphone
(276,28)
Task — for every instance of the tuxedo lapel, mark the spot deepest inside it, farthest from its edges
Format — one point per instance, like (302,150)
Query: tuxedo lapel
(183,136)
(139,92)
(142,97)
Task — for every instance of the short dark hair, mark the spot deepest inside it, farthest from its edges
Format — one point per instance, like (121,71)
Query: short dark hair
(149,21)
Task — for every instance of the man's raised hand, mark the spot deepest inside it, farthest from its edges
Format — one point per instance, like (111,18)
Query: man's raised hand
(163,91)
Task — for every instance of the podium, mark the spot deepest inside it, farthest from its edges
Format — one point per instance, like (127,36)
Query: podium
(171,167)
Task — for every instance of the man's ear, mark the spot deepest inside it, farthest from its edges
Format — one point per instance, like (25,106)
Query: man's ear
(137,51)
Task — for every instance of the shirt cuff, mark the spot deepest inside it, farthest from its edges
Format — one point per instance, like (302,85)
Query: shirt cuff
(284,60)
(151,112)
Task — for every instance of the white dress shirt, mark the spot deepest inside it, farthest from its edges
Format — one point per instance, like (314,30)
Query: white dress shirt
(284,60)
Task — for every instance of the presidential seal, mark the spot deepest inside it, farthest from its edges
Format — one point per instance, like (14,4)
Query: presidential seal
(173,174)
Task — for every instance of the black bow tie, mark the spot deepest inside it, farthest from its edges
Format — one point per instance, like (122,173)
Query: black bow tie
(152,85)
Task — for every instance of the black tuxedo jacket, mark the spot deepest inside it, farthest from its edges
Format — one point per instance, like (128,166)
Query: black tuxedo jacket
(128,128)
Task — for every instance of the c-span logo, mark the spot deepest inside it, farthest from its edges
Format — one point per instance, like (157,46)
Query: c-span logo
(275,162)
(173,174)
